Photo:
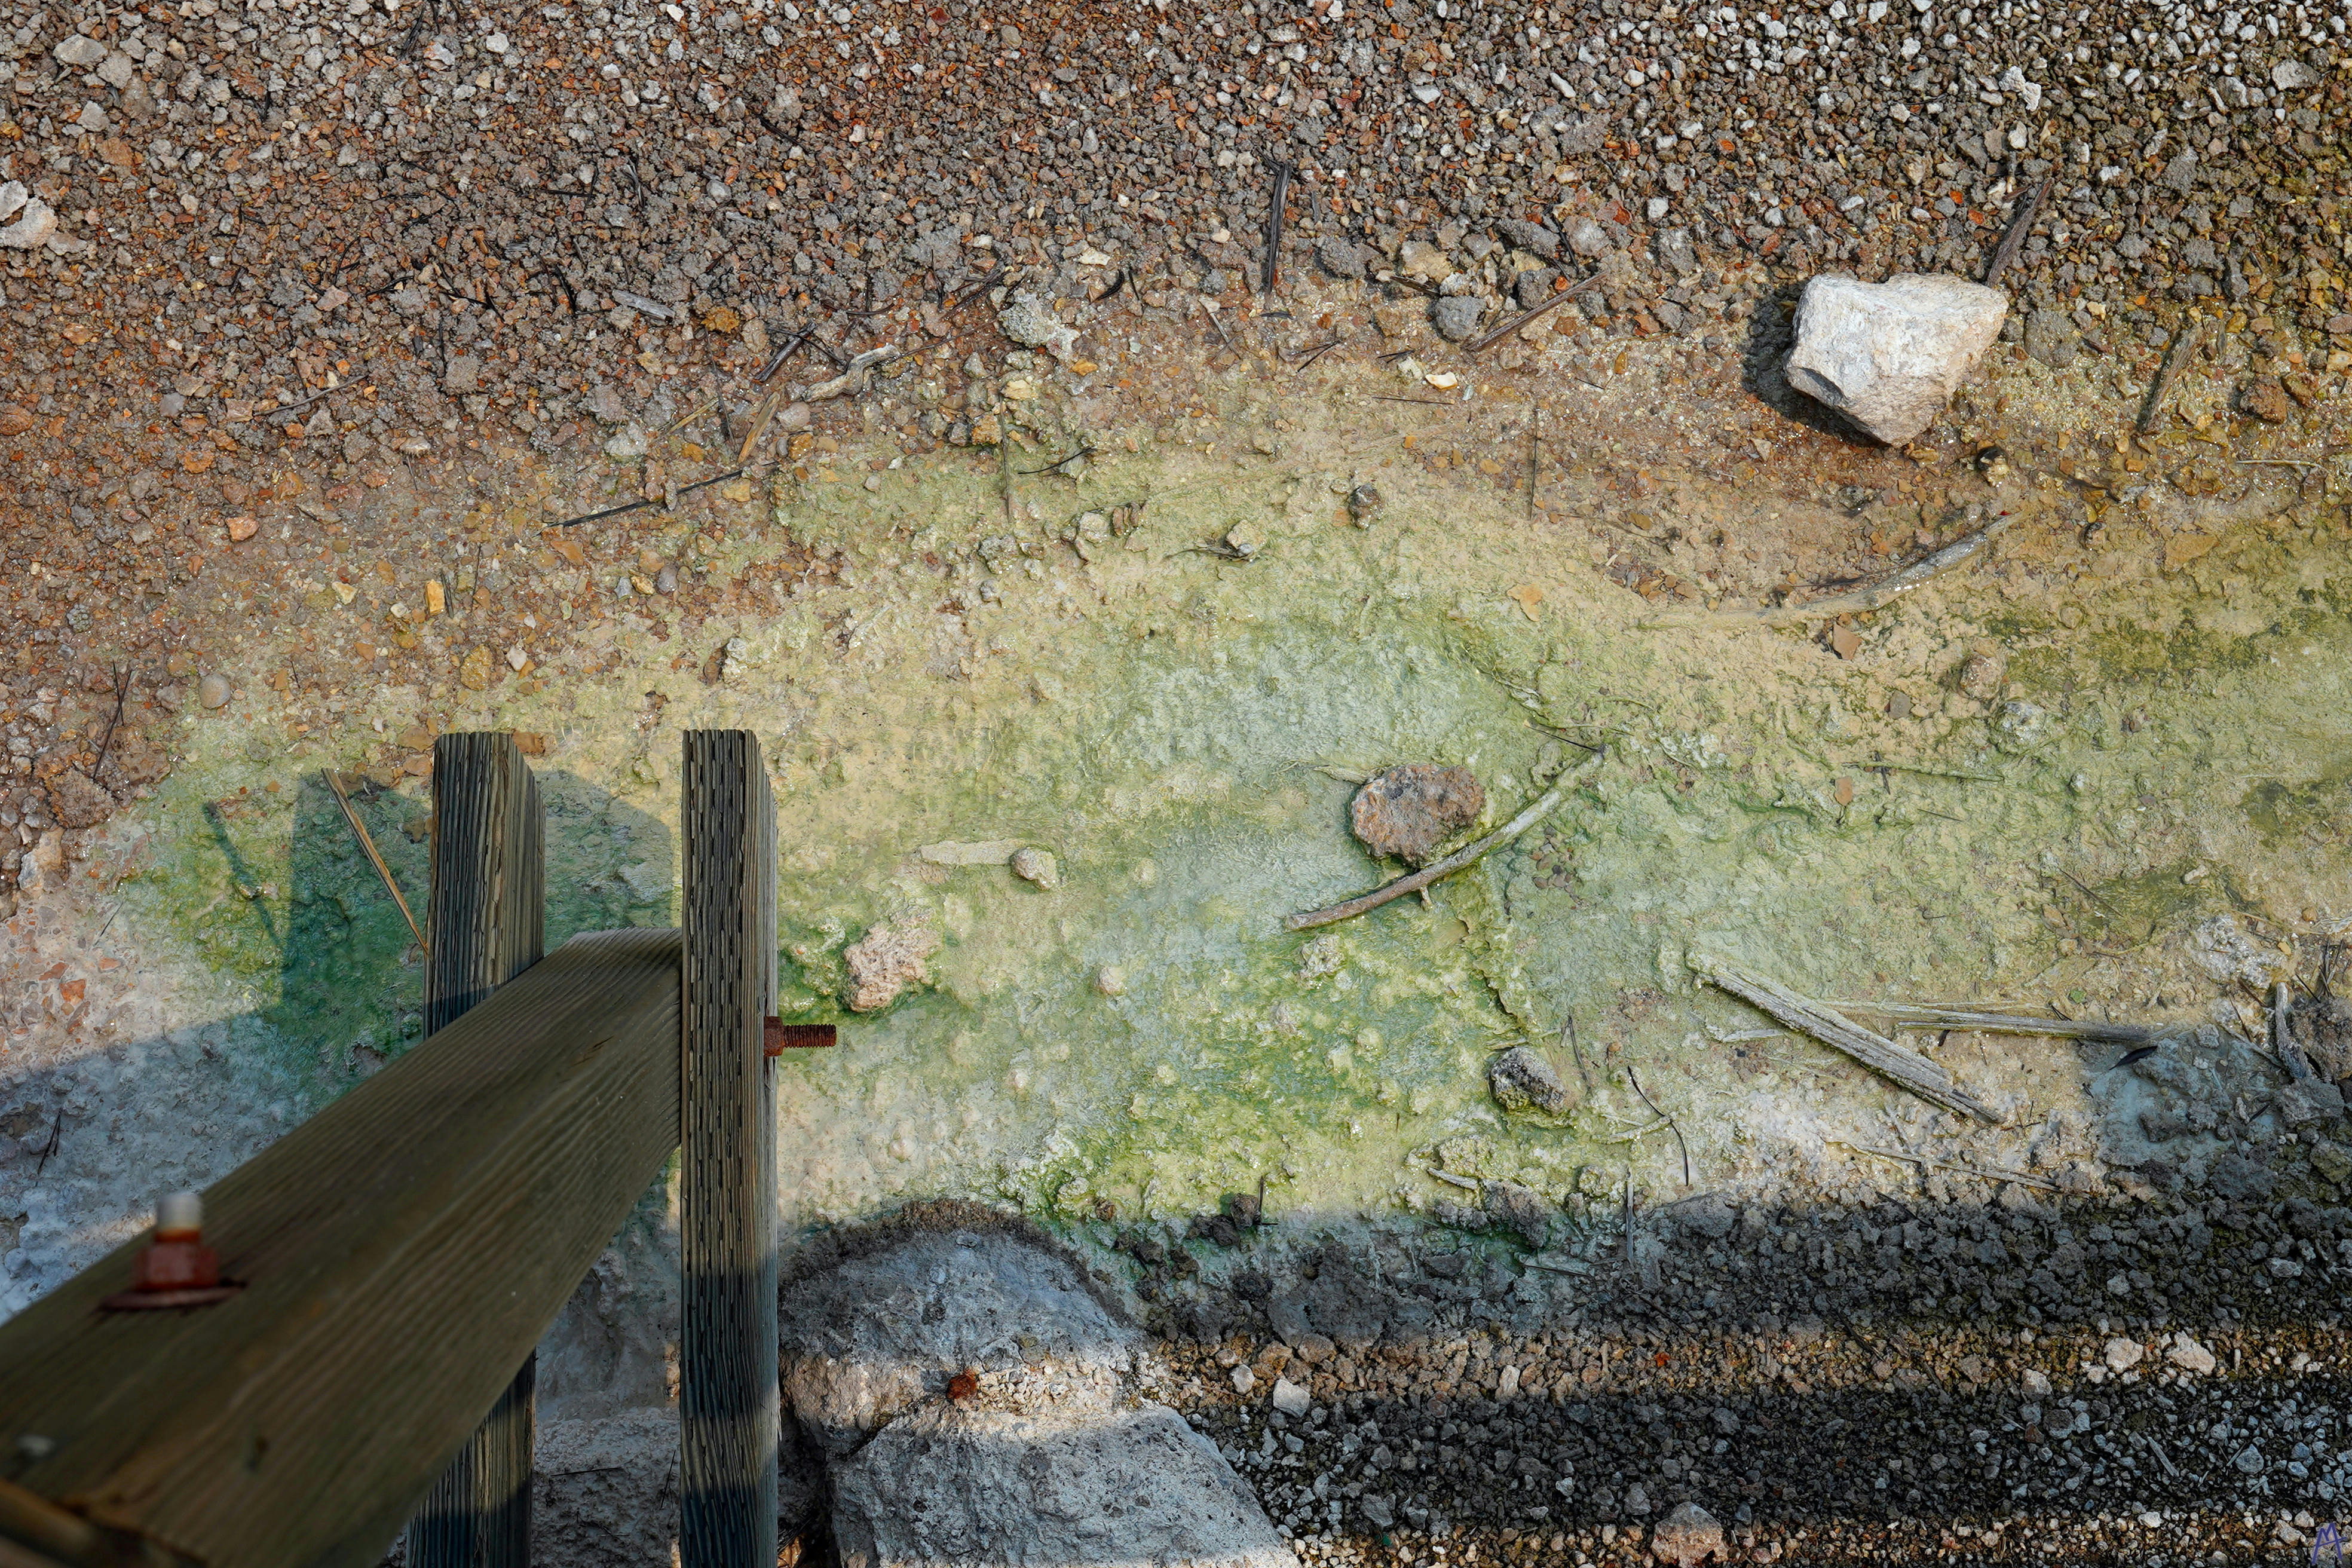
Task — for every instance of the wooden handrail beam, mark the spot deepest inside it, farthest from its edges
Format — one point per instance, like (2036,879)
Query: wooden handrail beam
(401,1252)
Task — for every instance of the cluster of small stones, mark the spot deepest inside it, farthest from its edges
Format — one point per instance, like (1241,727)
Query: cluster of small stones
(305,249)
(2165,1375)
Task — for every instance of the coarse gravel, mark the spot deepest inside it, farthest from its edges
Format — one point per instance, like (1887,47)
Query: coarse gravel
(1995,1379)
(336,264)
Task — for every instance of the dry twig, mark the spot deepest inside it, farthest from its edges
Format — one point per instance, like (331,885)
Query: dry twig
(367,845)
(2184,348)
(1415,881)
(1671,1125)
(2029,211)
(1907,1068)
(1485,340)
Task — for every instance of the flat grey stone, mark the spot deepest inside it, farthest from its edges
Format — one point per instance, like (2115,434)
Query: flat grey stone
(1522,1080)
(1340,257)
(1533,238)
(982,1487)
(1889,355)
(1456,316)
(2051,338)
(876,1335)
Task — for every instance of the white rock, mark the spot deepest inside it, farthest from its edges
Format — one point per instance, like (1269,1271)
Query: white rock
(1889,355)
(2188,1355)
(1032,864)
(12,196)
(1046,1490)
(91,119)
(2124,1355)
(32,230)
(116,70)
(1686,1537)
(2293,75)
(77,50)
(1291,1398)
(1243,1378)
(2037,1384)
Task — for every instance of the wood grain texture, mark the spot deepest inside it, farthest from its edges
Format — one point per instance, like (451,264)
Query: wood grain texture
(485,922)
(1926,1078)
(729,1419)
(402,1250)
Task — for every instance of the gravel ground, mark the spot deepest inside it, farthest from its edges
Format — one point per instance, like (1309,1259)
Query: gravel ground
(1996,1381)
(326,274)
(329,284)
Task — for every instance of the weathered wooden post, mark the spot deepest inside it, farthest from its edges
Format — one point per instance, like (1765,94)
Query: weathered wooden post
(486,923)
(729,1425)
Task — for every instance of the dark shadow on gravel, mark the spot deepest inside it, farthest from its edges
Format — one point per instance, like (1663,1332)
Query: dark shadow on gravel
(1904,1366)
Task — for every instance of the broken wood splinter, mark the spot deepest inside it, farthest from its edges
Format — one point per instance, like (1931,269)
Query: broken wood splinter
(1900,1064)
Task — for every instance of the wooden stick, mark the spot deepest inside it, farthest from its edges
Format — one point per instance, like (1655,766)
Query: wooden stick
(729,1416)
(2184,348)
(2029,211)
(488,908)
(1523,316)
(367,845)
(1416,881)
(1535,452)
(2283,1041)
(1879,593)
(1906,1067)
(2012,1023)
(1271,271)
(1982,1173)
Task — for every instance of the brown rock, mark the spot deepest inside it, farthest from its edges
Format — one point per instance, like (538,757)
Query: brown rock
(1408,811)
(241,529)
(2265,399)
(15,420)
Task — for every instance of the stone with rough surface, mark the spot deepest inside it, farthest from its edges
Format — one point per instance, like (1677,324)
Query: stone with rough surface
(1889,355)
(872,1337)
(943,1486)
(885,962)
(1688,1536)
(1408,811)
(1456,316)
(2188,1355)
(1522,1080)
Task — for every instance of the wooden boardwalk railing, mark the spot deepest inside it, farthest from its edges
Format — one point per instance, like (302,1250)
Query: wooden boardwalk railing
(400,1254)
